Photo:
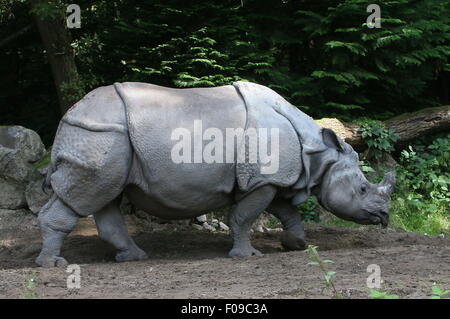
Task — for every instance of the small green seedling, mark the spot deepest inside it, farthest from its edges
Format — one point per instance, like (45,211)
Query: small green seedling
(31,286)
(438,293)
(317,261)
(375,294)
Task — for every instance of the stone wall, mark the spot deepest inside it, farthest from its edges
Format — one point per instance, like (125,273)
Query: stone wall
(21,150)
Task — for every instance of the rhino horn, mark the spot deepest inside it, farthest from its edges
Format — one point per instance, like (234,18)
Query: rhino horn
(386,186)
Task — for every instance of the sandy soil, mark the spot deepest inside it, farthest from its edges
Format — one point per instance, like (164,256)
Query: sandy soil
(187,263)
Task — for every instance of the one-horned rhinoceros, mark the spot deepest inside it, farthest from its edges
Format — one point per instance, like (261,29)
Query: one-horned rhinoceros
(178,153)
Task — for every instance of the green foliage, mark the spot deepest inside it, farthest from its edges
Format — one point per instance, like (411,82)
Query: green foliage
(178,44)
(31,285)
(319,55)
(309,210)
(355,67)
(438,293)
(425,168)
(327,275)
(49,9)
(378,138)
(375,294)
(365,167)
(74,89)
(44,161)
(421,202)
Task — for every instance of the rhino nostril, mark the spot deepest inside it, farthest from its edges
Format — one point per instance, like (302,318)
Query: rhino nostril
(384,213)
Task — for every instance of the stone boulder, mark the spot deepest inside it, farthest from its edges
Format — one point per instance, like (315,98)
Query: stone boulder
(20,149)
(35,196)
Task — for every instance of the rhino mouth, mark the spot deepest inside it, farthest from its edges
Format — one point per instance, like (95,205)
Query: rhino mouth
(380,217)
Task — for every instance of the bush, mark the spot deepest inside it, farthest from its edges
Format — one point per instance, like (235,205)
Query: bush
(421,202)
(378,138)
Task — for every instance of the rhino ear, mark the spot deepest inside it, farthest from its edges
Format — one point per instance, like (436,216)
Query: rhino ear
(330,139)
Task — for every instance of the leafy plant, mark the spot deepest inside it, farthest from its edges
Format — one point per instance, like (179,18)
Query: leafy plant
(375,294)
(425,168)
(366,167)
(327,275)
(31,285)
(309,210)
(438,293)
(379,139)
(44,161)
(421,202)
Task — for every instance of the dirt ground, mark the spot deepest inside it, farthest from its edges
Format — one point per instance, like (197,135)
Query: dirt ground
(187,263)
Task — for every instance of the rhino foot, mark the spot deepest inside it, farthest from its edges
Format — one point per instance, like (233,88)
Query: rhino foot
(47,261)
(291,241)
(131,254)
(244,252)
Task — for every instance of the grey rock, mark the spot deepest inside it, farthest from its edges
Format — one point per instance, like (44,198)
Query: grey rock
(12,195)
(259,229)
(202,218)
(215,224)
(35,196)
(261,223)
(20,149)
(17,223)
(208,227)
(223,226)
(5,213)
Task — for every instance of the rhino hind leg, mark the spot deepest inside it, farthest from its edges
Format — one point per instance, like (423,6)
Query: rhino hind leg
(56,221)
(242,217)
(111,228)
(90,169)
(293,235)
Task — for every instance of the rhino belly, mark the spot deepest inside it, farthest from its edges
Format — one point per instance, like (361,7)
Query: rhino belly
(184,190)
(179,204)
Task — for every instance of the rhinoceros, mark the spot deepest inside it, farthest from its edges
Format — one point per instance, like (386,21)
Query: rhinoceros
(124,139)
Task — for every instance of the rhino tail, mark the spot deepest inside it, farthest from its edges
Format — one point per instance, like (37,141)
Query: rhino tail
(46,184)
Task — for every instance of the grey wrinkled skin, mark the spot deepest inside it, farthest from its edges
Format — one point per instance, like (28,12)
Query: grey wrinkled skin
(117,140)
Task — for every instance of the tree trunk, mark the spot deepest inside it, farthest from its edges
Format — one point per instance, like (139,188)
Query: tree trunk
(408,126)
(56,40)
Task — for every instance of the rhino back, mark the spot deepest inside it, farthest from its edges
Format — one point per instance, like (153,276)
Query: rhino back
(153,113)
(101,110)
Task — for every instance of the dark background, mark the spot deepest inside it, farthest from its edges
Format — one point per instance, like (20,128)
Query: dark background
(319,55)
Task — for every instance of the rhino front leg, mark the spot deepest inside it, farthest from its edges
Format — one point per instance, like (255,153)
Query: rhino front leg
(56,221)
(242,218)
(111,228)
(293,235)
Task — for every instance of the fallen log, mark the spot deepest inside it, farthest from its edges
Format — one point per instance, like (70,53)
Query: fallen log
(408,126)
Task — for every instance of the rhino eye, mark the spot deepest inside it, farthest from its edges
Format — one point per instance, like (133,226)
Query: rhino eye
(363,189)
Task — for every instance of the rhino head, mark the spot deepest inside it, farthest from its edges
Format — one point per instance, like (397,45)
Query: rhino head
(345,191)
